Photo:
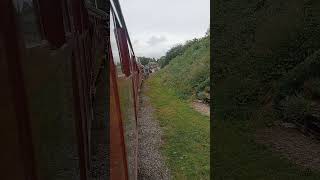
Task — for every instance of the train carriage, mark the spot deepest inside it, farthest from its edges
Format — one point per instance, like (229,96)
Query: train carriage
(125,85)
(71,83)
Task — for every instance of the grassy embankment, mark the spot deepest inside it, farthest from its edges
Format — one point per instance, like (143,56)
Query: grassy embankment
(264,51)
(188,69)
(186,132)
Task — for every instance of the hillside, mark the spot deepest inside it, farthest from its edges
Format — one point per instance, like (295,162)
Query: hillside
(189,70)
(257,43)
(266,72)
(186,143)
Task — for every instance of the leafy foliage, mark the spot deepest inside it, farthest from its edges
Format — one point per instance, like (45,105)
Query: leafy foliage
(172,53)
(262,57)
(255,45)
(145,60)
(178,50)
(188,72)
(294,80)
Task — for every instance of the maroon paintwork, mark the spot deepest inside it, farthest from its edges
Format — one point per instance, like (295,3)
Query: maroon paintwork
(70,31)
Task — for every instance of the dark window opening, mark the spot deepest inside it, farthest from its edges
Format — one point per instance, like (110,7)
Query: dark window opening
(28,22)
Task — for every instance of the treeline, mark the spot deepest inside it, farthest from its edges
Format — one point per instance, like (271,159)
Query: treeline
(145,60)
(178,50)
(267,52)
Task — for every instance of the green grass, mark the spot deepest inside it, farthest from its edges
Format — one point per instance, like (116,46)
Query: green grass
(188,73)
(236,155)
(186,132)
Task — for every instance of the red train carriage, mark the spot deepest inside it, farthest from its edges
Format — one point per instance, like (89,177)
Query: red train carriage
(60,110)
(126,77)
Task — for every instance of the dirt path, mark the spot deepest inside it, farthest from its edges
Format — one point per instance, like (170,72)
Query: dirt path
(201,107)
(151,164)
(290,143)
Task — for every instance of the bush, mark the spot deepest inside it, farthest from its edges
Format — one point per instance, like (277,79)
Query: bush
(295,108)
(243,50)
(294,80)
(203,96)
(314,88)
(189,72)
(235,98)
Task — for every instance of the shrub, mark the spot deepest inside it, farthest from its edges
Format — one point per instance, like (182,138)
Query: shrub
(315,88)
(202,96)
(295,108)
(294,80)
(235,98)
(189,71)
(243,50)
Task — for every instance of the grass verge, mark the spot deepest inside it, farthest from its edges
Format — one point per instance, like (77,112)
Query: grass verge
(186,133)
(238,156)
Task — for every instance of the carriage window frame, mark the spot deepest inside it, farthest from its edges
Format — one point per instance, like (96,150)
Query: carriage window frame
(124,51)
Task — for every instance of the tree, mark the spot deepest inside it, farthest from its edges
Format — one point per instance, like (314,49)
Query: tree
(172,53)
(145,60)
(162,61)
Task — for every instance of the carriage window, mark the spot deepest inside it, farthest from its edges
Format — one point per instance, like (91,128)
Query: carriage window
(114,46)
(28,21)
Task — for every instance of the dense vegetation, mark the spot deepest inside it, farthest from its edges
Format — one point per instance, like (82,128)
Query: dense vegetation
(267,65)
(260,47)
(186,68)
(266,52)
(145,60)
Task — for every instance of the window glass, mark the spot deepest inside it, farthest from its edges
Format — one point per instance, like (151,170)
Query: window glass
(28,21)
(114,46)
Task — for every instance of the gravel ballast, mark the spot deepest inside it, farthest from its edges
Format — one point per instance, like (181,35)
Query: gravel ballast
(151,163)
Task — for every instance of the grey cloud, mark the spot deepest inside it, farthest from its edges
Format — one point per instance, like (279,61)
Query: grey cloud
(159,24)
(136,41)
(156,40)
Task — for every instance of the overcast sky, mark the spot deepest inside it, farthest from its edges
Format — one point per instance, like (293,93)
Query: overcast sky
(156,25)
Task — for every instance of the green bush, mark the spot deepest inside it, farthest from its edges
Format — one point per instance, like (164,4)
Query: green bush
(189,72)
(294,80)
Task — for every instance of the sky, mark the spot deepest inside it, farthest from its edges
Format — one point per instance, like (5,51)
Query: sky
(154,26)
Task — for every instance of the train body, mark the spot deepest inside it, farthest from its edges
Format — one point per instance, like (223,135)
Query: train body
(70,91)
(127,75)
